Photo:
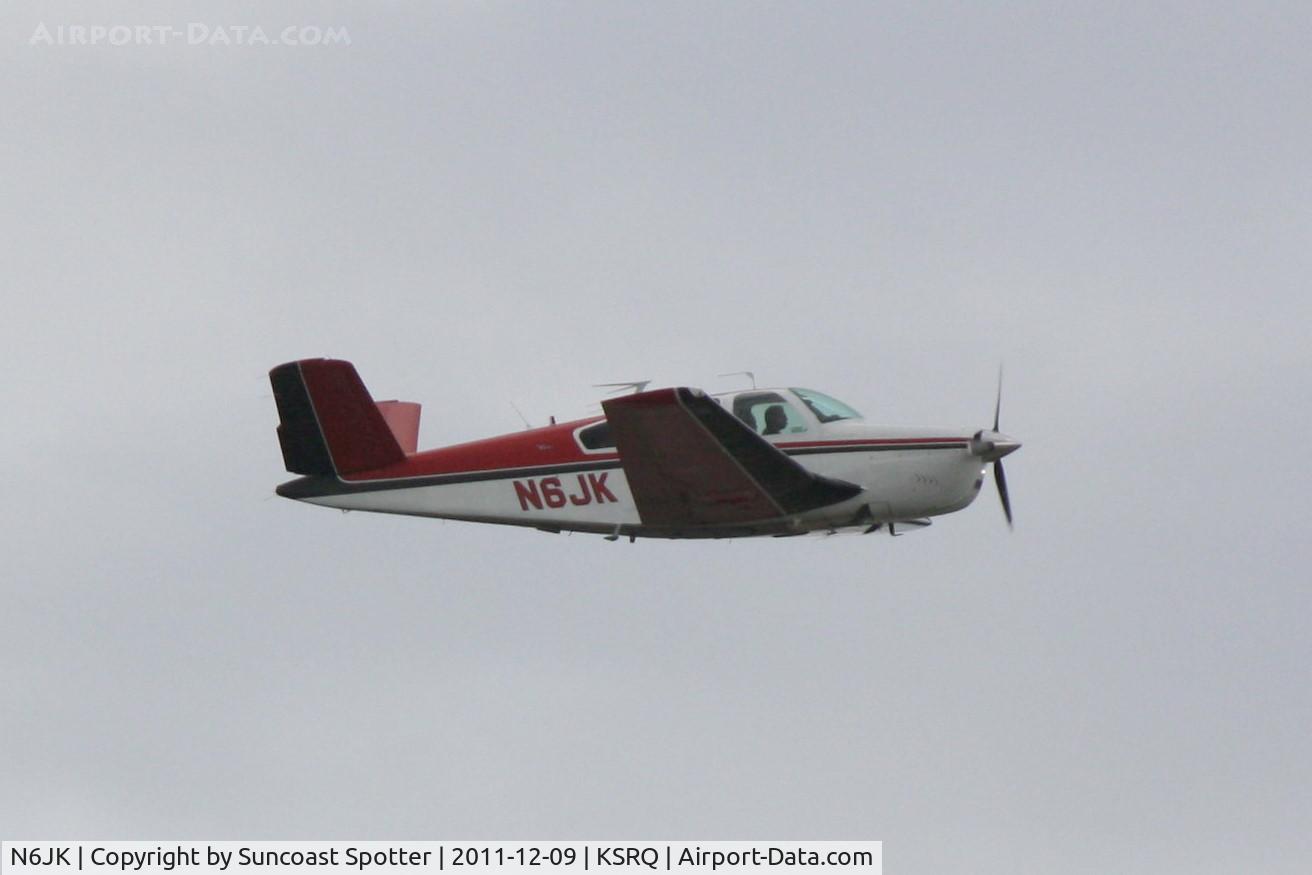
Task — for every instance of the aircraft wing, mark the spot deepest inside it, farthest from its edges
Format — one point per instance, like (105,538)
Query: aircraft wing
(689,462)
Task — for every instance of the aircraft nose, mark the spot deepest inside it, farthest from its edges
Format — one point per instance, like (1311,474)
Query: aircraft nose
(1004,445)
(993,445)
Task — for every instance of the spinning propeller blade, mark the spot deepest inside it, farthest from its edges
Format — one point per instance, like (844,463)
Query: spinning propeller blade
(997,404)
(999,475)
(992,446)
(1000,478)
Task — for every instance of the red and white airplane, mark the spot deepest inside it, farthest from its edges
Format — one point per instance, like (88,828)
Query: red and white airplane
(669,463)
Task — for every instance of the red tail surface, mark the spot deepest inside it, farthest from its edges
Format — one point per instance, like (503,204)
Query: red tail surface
(402,418)
(330,424)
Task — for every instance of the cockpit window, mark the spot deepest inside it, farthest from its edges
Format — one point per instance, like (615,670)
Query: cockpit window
(826,409)
(767,413)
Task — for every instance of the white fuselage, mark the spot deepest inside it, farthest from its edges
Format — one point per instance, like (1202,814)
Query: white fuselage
(905,474)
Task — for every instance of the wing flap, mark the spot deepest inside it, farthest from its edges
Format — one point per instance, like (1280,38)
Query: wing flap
(689,462)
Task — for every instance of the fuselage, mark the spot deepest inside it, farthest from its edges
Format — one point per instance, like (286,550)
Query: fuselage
(568,476)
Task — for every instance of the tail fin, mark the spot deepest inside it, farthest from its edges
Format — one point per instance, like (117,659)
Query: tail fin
(330,424)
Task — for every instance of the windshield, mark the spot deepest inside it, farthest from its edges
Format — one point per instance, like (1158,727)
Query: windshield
(826,409)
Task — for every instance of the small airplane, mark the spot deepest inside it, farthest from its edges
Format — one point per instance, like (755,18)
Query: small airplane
(666,463)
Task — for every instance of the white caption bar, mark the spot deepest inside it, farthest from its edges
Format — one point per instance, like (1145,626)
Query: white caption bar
(423,858)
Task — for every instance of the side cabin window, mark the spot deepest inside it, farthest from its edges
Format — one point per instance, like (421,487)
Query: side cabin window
(767,413)
(596,437)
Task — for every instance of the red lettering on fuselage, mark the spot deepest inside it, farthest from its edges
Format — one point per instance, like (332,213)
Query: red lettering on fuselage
(587,489)
(552,494)
(583,497)
(598,484)
(527,493)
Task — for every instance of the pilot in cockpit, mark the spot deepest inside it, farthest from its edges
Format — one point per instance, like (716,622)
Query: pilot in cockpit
(776,420)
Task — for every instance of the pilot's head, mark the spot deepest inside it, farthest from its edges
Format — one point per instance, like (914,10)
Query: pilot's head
(775,419)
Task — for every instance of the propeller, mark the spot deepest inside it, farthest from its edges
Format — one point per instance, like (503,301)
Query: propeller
(991,446)
(1000,478)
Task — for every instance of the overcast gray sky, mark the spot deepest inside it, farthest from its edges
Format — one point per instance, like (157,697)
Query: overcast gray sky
(487,203)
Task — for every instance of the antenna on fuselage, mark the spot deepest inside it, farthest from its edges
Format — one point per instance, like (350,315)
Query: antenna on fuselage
(748,374)
(522,417)
(634,386)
